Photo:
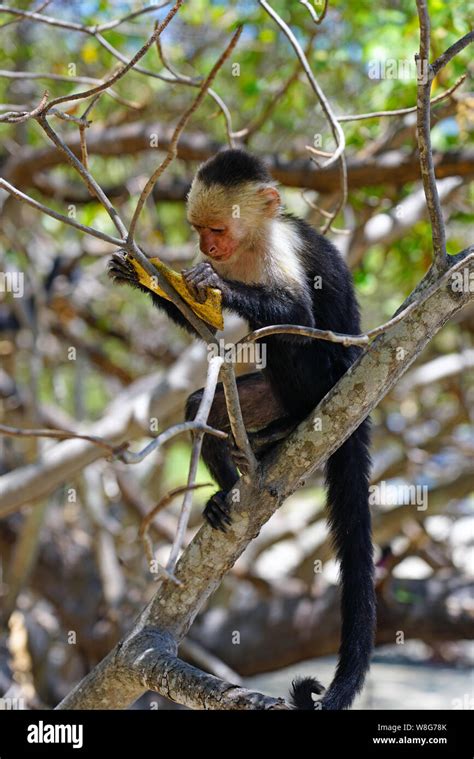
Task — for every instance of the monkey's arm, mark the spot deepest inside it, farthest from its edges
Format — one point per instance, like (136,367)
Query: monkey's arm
(262,306)
(123,273)
(259,304)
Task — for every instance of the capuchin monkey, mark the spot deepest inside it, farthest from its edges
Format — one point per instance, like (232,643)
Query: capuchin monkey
(268,266)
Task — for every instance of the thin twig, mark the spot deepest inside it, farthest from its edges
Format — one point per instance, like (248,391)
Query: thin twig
(19,20)
(19,118)
(16,193)
(123,70)
(172,148)
(293,329)
(73,26)
(164,60)
(336,128)
(82,133)
(148,519)
(317,19)
(92,185)
(129,457)
(449,54)
(362,339)
(423,133)
(266,112)
(113,24)
(402,111)
(114,450)
(66,78)
(202,415)
(315,151)
(79,120)
(181,79)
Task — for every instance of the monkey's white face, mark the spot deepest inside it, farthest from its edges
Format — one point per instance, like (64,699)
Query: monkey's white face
(231,223)
(220,241)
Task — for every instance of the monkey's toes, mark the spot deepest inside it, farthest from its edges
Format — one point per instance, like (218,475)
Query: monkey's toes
(239,458)
(216,511)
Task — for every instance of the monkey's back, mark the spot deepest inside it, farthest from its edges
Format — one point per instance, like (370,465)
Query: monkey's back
(303,369)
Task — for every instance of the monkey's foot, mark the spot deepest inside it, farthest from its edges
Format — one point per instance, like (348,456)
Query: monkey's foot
(239,457)
(216,511)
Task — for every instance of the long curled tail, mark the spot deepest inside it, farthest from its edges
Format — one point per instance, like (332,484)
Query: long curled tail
(347,478)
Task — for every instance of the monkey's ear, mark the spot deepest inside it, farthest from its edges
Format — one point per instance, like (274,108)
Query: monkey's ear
(271,198)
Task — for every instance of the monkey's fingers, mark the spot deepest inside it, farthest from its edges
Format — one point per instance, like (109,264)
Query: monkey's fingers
(121,270)
(217,511)
(197,291)
(118,275)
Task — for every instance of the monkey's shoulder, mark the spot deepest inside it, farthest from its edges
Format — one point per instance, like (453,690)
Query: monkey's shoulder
(318,254)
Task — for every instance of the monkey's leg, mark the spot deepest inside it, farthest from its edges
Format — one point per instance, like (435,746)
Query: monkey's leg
(262,441)
(260,407)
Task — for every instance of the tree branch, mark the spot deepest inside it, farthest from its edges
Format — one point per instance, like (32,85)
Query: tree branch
(151,646)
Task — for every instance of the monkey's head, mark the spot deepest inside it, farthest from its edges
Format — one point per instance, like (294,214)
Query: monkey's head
(230,203)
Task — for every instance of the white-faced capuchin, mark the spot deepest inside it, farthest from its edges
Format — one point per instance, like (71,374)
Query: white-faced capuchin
(265,263)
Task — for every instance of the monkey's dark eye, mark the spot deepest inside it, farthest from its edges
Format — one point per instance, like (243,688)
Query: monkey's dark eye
(218,231)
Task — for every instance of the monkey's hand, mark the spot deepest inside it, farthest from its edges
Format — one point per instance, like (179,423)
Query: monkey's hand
(121,270)
(199,278)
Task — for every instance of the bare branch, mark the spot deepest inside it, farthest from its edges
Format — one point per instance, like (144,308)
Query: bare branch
(92,185)
(347,340)
(336,128)
(423,133)
(403,111)
(148,519)
(66,78)
(59,216)
(123,70)
(113,24)
(114,450)
(201,417)
(449,54)
(172,148)
(129,457)
(292,329)
(75,27)
(317,19)
(18,118)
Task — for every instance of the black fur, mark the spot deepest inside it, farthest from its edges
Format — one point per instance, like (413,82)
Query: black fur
(233,167)
(301,372)
(302,692)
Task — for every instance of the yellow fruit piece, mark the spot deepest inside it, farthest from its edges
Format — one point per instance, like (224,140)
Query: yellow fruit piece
(210,311)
